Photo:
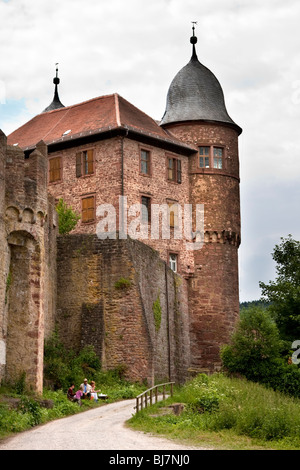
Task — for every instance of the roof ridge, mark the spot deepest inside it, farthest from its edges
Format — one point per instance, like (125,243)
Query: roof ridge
(79,104)
(117,108)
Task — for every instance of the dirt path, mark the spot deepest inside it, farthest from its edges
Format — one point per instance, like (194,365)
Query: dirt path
(101,428)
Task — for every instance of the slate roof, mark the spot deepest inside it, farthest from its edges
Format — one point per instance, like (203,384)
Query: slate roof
(91,118)
(196,94)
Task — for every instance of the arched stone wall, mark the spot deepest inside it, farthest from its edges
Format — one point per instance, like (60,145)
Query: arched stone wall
(24,313)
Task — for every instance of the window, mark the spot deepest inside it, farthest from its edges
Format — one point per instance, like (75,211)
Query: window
(145,162)
(173,211)
(218,157)
(173,262)
(85,163)
(146,209)
(88,209)
(204,157)
(211,157)
(174,170)
(55,168)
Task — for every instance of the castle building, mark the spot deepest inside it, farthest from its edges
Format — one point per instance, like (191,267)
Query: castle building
(106,154)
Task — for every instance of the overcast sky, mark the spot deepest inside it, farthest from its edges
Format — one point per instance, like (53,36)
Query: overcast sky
(135,48)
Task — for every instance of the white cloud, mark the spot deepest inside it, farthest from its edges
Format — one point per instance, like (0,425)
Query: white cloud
(135,48)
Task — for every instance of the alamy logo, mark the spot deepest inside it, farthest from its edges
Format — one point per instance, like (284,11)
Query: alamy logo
(185,223)
(295,359)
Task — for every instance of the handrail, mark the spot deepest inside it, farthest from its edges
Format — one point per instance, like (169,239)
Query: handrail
(143,398)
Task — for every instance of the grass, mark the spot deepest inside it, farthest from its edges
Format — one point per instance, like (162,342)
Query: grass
(21,410)
(219,412)
(225,413)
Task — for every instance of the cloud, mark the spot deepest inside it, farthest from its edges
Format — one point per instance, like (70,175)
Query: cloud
(135,48)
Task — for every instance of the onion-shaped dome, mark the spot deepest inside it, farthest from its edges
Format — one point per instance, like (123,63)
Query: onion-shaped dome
(195,94)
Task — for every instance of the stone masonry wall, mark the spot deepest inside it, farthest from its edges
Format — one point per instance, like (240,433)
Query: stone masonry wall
(27,263)
(112,294)
(214,286)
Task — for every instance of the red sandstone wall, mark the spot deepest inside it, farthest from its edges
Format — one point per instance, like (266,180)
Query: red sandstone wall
(119,320)
(214,288)
(106,183)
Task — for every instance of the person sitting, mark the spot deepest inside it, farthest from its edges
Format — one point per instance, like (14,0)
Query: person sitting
(94,393)
(86,389)
(72,396)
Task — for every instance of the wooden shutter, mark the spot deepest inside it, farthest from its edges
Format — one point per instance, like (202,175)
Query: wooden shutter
(178,171)
(90,162)
(173,211)
(88,209)
(54,169)
(78,165)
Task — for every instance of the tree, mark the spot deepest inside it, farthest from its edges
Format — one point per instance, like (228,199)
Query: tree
(284,292)
(67,218)
(254,345)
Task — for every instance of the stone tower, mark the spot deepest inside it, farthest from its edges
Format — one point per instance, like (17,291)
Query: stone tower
(196,113)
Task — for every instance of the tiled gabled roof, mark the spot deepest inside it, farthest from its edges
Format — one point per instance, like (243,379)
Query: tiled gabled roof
(92,117)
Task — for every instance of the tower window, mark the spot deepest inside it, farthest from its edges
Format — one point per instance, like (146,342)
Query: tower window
(204,157)
(218,157)
(145,162)
(85,163)
(211,157)
(55,169)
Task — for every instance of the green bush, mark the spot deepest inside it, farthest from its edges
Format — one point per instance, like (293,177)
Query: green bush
(256,352)
(64,367)
(67,218)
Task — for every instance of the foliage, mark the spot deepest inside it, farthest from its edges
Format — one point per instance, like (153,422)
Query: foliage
(67,218)
(240,407)
(157,313)
(254,303)
(123,283)
(255,351)
(284,292)
(202,395)
(64,367)
(254,343)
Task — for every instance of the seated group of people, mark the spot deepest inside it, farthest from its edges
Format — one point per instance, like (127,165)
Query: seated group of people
(86,391)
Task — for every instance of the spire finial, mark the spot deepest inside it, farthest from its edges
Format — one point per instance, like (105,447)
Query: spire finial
(56,101)
(193,40)
(56,80)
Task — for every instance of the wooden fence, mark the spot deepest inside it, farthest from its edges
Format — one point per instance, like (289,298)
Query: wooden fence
(151,395)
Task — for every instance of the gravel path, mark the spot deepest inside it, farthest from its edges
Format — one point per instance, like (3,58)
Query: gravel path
(102,428)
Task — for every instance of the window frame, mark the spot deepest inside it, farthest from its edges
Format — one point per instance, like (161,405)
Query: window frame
(173,215)
(176,169)
(149,153)
(93,219)
(58,180)
(211,157)
(173,253)
(149,198)
(81,163)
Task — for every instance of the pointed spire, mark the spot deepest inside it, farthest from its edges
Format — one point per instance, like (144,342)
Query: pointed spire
(56,103)
(193,40)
